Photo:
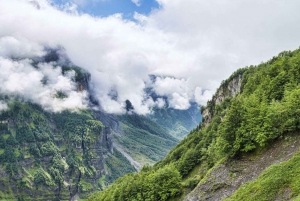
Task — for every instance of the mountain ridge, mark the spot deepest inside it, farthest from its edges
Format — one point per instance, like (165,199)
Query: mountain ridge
(256,108)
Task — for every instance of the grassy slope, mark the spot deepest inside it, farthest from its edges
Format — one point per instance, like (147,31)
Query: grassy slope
(280,181)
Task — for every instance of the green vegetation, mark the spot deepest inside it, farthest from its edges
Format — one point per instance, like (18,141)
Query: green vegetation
(118,166)
(44,152)
(178,123)
(266,108)
(147,185)
(272,183)
(143,139)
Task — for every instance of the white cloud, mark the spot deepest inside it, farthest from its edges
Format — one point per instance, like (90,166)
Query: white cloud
(3,106)
(80,2)
(136,2)
(201,42)
(20,79)
(10,47)
(160,102)
(179,102)
(202,96)
(181,91)
(69,7)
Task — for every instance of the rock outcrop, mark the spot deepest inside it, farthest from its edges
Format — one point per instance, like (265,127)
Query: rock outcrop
(230,88)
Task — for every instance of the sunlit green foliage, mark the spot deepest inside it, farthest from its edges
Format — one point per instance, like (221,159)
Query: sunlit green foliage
(145,186)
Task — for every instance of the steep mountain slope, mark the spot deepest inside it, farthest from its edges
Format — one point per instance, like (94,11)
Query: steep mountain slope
(67,154)
(49,155)
(224,179)
(46,155)
(251,123)
(144,140)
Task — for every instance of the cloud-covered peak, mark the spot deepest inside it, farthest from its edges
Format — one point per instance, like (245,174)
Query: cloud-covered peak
(28,72)
(190,45)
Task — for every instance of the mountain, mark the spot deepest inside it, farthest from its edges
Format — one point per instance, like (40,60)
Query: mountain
(67,155)
(245,149)
(178,122)
(143,139)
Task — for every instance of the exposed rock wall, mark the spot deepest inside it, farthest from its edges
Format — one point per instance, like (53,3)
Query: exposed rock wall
(107,139)
(231,90)
(226,90)
(83,81)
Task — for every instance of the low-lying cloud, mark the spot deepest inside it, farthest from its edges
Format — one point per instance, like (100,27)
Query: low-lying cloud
(39,83)
(191,45)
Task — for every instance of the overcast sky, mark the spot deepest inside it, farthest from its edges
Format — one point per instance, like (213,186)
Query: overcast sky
(196,43)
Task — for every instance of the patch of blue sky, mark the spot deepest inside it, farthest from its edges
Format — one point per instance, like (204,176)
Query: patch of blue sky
(104,8)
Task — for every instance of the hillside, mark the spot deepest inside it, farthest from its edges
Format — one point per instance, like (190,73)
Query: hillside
(178,123)
(71,153)
(249,127)
(143,139)
(50,155)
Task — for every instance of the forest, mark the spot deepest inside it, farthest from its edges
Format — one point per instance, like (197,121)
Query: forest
(53,155)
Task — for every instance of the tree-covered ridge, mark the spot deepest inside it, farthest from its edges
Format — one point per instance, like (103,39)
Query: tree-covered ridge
(146,185)
(266,108)
(53,155)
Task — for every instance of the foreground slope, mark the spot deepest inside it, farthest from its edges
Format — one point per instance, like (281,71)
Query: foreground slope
(257,107)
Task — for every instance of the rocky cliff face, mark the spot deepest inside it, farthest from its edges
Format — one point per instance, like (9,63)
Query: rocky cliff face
(20,181)
(229,89)
(57,156)
(106,139)
(83,81)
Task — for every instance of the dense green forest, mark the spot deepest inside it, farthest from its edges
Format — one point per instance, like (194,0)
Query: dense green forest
(54,155)
(265,109)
